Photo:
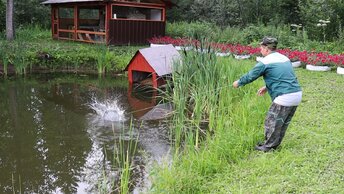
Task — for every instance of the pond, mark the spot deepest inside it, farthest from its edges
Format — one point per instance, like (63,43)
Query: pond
(70,133)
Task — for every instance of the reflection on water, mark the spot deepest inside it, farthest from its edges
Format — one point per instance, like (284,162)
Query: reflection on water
(143,103)
(60,134)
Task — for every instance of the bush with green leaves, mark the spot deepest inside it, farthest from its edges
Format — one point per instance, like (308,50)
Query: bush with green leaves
(252,35)
(192,30)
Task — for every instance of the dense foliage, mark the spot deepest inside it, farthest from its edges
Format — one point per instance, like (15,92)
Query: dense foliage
(244,13)
(25,13)
(31,12)
(2,15)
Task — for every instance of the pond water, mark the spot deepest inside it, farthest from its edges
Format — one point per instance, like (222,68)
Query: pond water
(70,133)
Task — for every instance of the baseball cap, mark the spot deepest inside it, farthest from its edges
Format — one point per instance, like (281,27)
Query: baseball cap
(270,42)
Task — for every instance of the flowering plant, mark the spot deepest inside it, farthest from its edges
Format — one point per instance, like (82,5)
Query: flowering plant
(318,59)
(314,58)
(169,40)
(161,40)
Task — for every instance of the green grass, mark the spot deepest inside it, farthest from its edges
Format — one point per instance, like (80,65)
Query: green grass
(32,44)
(310,159)
(312,153)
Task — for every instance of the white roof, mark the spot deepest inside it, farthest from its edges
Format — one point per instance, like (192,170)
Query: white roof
(161,58)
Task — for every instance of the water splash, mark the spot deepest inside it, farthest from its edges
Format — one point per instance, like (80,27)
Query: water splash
(108,110)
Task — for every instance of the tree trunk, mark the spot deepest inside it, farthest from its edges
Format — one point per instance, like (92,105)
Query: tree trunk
(9,20)
(240,11)
(258,10)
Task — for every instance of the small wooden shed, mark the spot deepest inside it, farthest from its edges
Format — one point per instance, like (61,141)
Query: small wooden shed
(115,22)
(151,66)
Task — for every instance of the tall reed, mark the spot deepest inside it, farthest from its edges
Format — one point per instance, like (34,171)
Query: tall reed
(32,33)
(123,162)
(4,57)
(203,93)
(104,59)
(14,53)
(19,58)
(198,81)
(14,190)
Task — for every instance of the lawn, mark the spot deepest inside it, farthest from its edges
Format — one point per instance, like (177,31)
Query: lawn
(311,157)
(309,160)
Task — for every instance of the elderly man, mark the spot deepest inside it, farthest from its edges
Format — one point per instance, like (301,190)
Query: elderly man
(283,88)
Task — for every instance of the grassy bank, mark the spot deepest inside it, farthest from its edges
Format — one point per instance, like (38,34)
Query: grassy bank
(34,50)
(309,160)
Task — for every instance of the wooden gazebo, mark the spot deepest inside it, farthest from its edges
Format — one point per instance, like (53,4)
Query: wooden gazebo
(115,22)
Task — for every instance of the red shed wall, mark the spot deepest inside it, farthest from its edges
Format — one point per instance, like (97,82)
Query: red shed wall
(122,32)
(139,63)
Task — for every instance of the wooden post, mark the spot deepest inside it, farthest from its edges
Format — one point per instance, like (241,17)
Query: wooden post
(52,21)
(107,22)
(76,18)
(154,80)
(130,76)
(55,22)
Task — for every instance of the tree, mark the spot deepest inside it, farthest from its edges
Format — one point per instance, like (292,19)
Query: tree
(9,20)
(311,12)
(31,12)
(2,16)
(28,12)
(220,12)
(181,12)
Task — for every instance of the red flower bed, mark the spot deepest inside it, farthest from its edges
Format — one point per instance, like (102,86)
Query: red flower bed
(313,58)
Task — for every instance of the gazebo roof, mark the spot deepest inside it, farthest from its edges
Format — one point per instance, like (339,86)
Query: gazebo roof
(67,1)
(168,2)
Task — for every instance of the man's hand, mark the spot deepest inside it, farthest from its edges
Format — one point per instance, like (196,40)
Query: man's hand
(236,84)
(261,91)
